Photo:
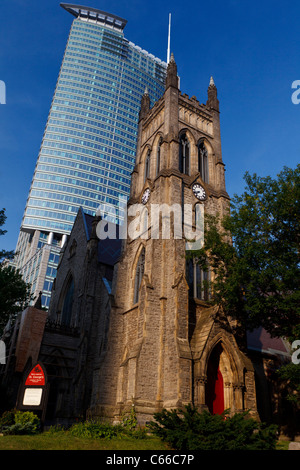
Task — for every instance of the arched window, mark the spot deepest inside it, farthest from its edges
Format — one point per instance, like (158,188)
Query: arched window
(203,162)
(201,283)
(66,311)
(139,275)
(184,155)
(198,280)
(147,165)
(158,156)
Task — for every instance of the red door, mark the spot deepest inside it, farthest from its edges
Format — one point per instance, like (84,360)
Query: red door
(214,389)
(218,402)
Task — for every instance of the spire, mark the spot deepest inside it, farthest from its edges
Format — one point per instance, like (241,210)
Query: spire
(145,104)
(212,101)
(96,220)
(38,302)
(169,39)
(172,79)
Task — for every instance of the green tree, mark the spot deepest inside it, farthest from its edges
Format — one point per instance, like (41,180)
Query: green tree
(14,292)
(3,253)
(253,253)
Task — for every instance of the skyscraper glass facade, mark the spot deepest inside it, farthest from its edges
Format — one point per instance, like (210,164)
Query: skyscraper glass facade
(88,148)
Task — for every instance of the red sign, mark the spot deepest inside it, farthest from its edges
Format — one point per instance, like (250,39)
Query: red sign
(36,376)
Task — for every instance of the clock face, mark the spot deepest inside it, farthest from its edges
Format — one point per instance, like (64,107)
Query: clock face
(199,192)
(146,196)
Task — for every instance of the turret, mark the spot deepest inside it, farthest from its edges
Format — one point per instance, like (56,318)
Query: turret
(212,101)
(172,79)
(145,104)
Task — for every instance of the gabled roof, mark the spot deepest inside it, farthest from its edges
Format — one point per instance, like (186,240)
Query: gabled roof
(202,330)
(109,249)
(87,220)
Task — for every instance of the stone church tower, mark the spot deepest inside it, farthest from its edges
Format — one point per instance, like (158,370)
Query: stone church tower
(166,346)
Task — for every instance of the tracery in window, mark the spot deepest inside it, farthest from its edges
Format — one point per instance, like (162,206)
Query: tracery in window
(158,156)
(184,154)
(140,267)
(198,280)
(203,161)
(147,165)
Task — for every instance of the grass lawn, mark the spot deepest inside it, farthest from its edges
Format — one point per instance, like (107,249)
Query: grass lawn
(64,441)
(282,445)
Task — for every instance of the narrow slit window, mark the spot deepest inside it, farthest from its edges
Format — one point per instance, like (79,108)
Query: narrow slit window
(139,275)
(158,157)
(203,162)
(66,313)
(147,165)
(184,155)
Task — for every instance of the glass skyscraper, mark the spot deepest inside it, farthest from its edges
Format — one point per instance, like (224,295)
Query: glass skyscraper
(88,148)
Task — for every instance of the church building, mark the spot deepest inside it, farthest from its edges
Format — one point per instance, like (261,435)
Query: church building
(130,323)
(166,346)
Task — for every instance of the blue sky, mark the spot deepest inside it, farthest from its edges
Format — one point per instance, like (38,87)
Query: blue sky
(252,49)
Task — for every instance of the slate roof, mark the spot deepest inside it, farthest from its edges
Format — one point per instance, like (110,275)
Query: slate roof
(109,250)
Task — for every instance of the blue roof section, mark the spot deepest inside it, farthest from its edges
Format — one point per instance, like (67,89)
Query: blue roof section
(109,249)
(107,284)
(87,223)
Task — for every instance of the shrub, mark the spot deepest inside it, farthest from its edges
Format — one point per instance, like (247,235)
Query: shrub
(20,422)
(190,430)
(56,429)
(136,433)
(7,419)
(129,420)
(19,428)
(100,430)
(29,419)
(94,429)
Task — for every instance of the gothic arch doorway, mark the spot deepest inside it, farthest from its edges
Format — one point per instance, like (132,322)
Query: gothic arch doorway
(214,389)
